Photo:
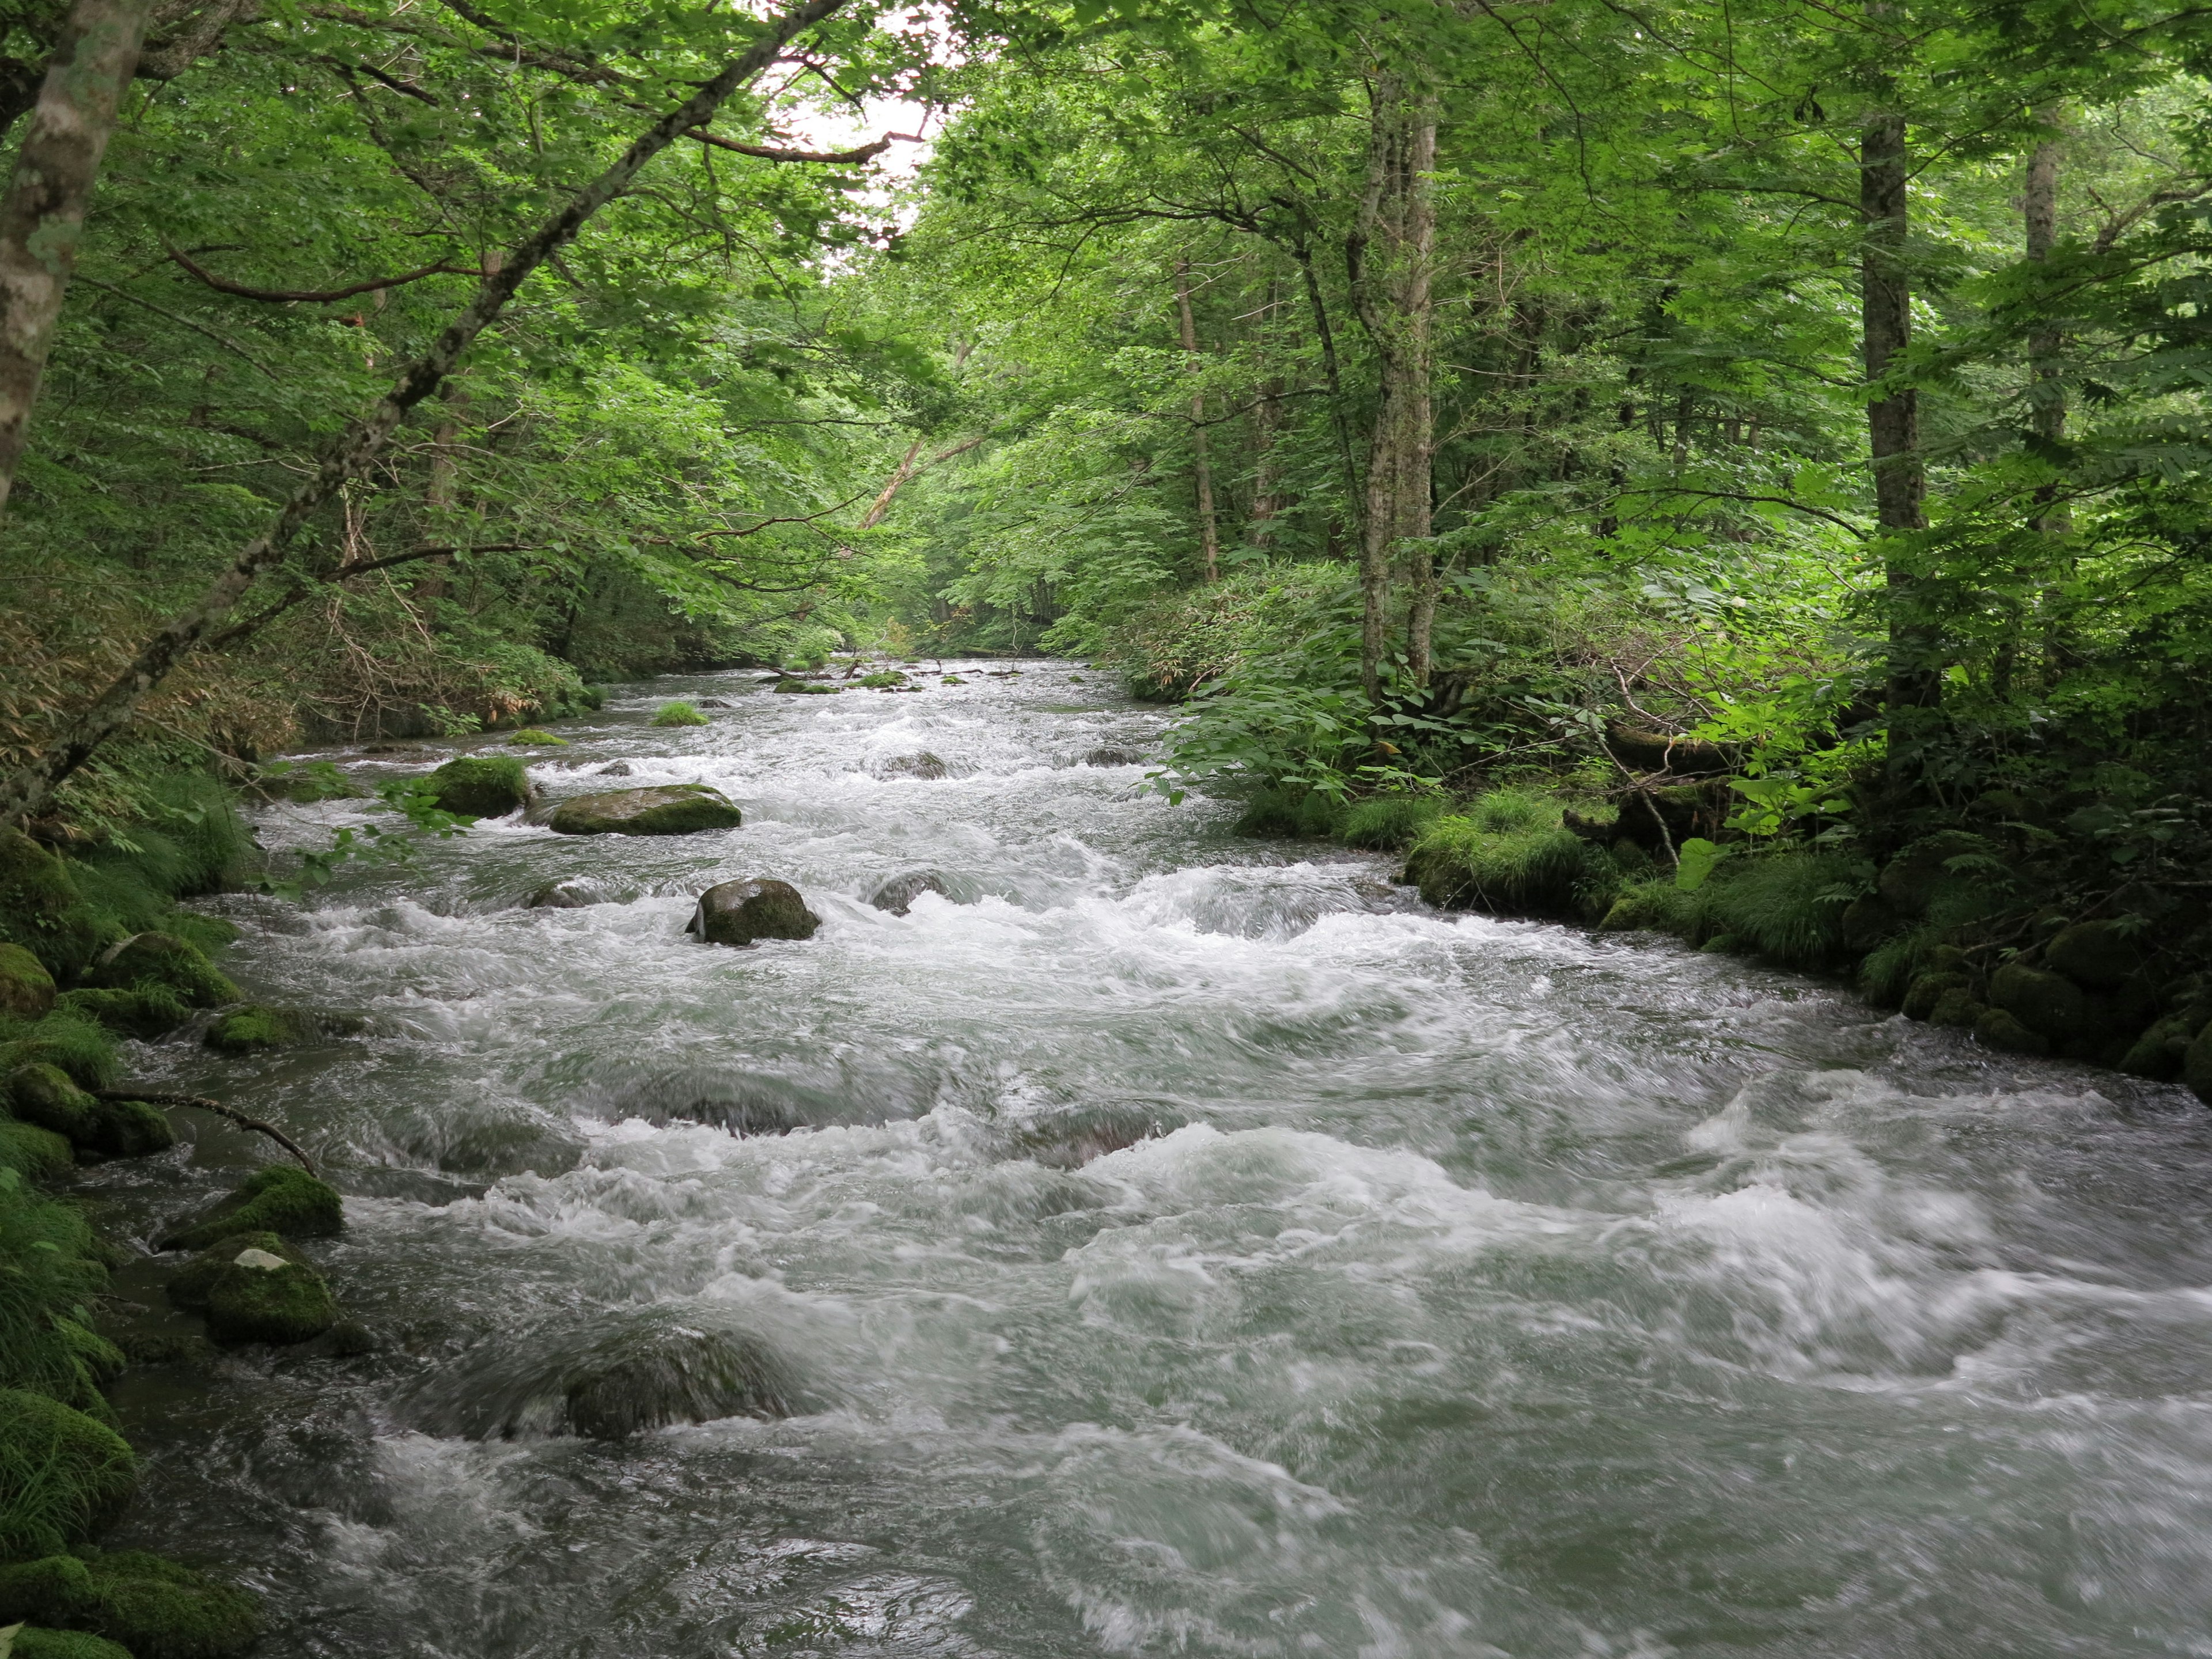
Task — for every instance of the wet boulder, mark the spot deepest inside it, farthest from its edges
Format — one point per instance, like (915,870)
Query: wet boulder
(254,1028)
(480,785)
(2097,955)
(255,1287)
(1069,1140)
(744,912)
(2000,1029)
(280,1199)
(164,960)
(631,1373)
(671,809)
(160,1609)
(1113,755)
(2048,1004)
(898,894)
(805,688)
(569,893)
(27,989)
(920,764)
(1928,989)
(45,1097)
(614,770)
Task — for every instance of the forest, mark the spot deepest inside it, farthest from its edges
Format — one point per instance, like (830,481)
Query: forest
(1730,469)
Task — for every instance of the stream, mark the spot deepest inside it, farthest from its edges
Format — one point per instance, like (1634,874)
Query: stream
(1167,1243)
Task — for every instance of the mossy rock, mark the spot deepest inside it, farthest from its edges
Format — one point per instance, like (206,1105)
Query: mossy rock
(2048,1004)
(1958,1009)
(1724,945)
(254,1287)
(2157,1053)
(62,1475)
(480,785)
(1865,922)
(254,1028)
(1910,882)
(810,688)
(1929,988)
(742,912)
(32,1642)
(2097,955)
(160,1608)
(44,1095)
(40,909)
(163,960)
(889,677)
(679,714)
(530,735)
(280,1199)
(146,1010)
(675,809)
(35,1154)
(27,989)
(131,1128)
(1999,1028)
(83,1051)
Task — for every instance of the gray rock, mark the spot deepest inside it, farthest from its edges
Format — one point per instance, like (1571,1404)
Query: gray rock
(569,893)
(713,703)
(743,912)
(1112,754)
(614,770)
(919,764)
(898,894)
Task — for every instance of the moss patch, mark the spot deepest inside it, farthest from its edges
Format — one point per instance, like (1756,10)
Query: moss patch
(1388,823)
(532,735)
(44,1095)
(40,909)
(160,1609)
(61,1474)
(678,714)
(1507,853)
(131,1128)
(27,989)
(254,1287)
(34,1153)
(164,961)
(480,785)
(254,1028)
(148,1011)
(280,1198)
(32,1642)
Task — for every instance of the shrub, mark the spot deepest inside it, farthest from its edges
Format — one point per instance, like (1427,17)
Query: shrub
(1290,811)
(678,714)
(1388,823)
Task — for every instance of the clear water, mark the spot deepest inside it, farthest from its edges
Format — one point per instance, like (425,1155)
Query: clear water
(1505,1291)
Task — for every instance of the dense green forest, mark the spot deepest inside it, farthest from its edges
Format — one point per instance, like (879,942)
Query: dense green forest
(1731,469)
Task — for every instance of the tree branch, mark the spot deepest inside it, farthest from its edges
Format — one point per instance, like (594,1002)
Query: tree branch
(286,295)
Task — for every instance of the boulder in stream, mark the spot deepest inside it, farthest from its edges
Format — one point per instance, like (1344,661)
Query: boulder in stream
(254,1287)
(161,1609)
(1108,754)
(1071,1139)
(163,959)
(919,764)
(668,809)
(278,1199)
(744,912)
(252,1027)
(632,1372)
(898,894)
(569,893)
(480,785)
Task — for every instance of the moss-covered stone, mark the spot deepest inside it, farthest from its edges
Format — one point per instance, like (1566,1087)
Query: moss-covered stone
(530,735)
(40,909)
(815,689)
(675,809)
(164,960)
(148,1011)
(1958,1009)
(83,1051)
(280,1199)
(2157,1053)
(2097,955)
(883,679)
(161,1609)
(44,1095)
(742,912)
(1910,882)
(1928,989)
(1999,1028)
(2048,1004)
(1723,944)
(62,1475)
(27,989)
(480,785)
(254,1287)
(35,1154)
(131,1129)
(253,1028)
(33,1641)
(678,714)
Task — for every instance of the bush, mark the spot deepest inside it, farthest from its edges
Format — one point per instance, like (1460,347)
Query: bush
(1388,823)
(678,714)
(1293,810)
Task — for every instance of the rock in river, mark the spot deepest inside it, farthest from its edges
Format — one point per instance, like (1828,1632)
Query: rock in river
(254,1287)
(741,912)
(670,809)
(898,894)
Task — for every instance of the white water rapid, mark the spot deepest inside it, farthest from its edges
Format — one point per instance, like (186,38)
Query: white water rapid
(1487,1288)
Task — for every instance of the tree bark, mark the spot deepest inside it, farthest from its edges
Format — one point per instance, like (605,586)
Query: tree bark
(1416,467)
(42,216)
(359,445)
(1915,682)
(1209,534)
(1266,417)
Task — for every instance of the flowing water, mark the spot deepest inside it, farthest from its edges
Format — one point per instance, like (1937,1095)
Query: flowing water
(1483,1288)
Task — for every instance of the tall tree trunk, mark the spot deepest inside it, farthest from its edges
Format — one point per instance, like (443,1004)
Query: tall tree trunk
(443,490)
(1266,417)
(1209,536)
(2046,390)
(359,445)
(42,216)
(1894,428)
(1416,482)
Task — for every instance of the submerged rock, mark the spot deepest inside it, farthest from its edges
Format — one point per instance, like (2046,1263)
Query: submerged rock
(614,770)
(919,764)
(1112,754)
(254,1287)
(480,785)
(742,912)
(160,1609)
(280,1198)
(569,893)
(1072,1139)
(669,809)
(898,894)
(628,1374)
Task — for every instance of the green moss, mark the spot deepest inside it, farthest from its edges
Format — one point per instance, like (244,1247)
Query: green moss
(949,679)
(1788,905)
(1388,822)
(160,1608)
(160,959)
(252,1027)
(678,714)
(61,1474)
(131,1128)
(34,1642)
(480,785)
(1290,811)
(66,1039)
(1508,853)
(280,1198)
(150,1011)
(254,1287)
(40,909)
(889,677)
(1655,904)
(530,734)
(805,688)
(27,989)
(44,1095)
(1999,1028)
(34,1153)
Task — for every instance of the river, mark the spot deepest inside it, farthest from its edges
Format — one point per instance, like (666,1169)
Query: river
(1489,1288)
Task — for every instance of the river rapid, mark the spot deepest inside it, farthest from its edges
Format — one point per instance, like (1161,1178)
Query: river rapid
(1489,1288)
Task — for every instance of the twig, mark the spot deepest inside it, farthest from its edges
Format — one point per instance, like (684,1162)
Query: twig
(221,1111)
(221,340)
